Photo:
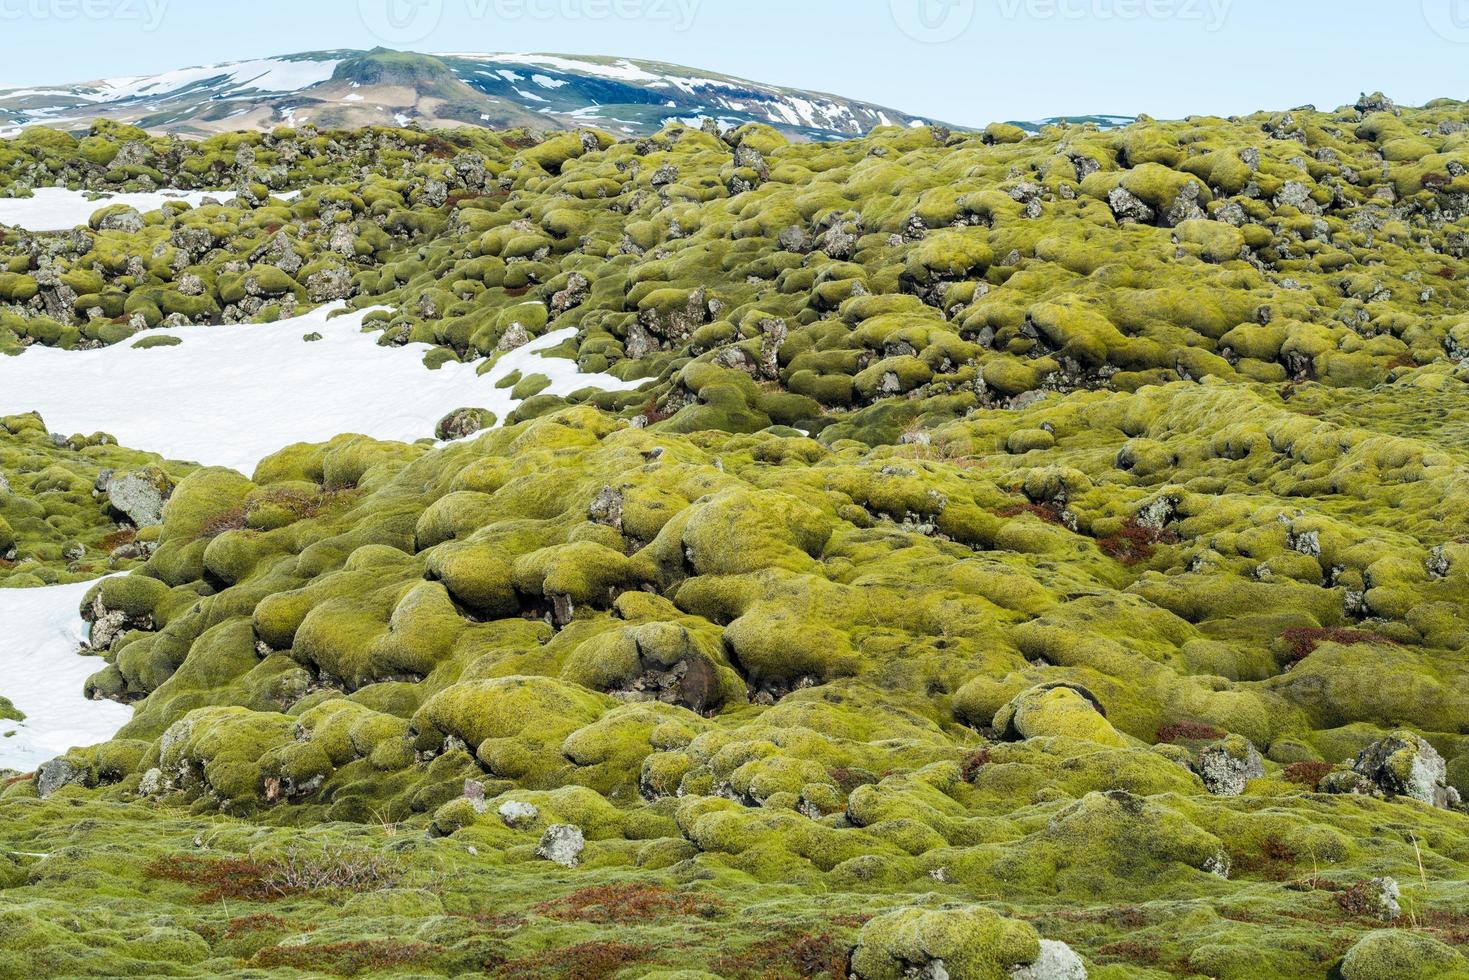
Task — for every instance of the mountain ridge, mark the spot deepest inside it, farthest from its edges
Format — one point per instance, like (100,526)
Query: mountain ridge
(346,88)
(343,88)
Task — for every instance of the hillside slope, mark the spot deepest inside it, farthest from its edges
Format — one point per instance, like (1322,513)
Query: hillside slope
(342,89)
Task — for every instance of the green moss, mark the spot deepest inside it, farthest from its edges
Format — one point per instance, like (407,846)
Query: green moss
(966,942)
(1395,953)
(968,511)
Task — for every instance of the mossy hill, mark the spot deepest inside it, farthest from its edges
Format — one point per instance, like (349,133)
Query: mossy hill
(1020,540)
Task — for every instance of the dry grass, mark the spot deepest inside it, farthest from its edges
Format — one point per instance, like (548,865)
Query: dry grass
(614,904)
(790,955)
(973,764)
(1302,641)
(268,879)
(1307,773)
(585,961)
(1189,731)
(1135,544)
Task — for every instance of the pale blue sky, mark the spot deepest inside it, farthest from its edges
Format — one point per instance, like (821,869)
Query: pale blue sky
(967,61)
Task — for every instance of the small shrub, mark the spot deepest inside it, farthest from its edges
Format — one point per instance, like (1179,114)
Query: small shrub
(118,539)
(1307,773)
(1359,900)
(1135,544)
(253,923)
(1046,512)
(973,764)
(848,779)
(1189,731)
(585,961)
(653,413)
(333,868)
(222,878)
(233,520)
(1274,860)
(1302,641)
(1448,927)
(272,878)
(1134,952)
(625,903)
(790,955)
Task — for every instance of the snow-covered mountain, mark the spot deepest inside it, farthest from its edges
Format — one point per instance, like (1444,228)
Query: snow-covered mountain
(354,88)
(1100,121)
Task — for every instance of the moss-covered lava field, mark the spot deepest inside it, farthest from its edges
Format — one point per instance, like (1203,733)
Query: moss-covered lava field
(1027,556)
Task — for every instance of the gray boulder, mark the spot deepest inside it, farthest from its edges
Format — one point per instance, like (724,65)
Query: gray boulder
(1227,765)
(1405,765)
(1056,962)
(517,814)
(121,218)
(55,774)
(329,284)
(1127,206)
(562,844)
(140,495)
(462,423)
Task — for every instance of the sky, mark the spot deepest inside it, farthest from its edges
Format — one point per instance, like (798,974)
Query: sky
(967,62)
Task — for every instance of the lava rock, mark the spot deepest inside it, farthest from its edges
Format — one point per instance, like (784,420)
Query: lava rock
(562,844)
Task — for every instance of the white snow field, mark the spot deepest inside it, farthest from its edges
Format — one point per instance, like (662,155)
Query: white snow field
(232,395)
(60,209)
(42,675)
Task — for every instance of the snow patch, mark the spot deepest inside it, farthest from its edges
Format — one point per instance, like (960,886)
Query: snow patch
(622,70)
(231,395)
(42,675)
(60,209)
(265,74)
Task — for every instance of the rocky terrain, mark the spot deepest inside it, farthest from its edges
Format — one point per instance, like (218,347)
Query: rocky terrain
(1011,554)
